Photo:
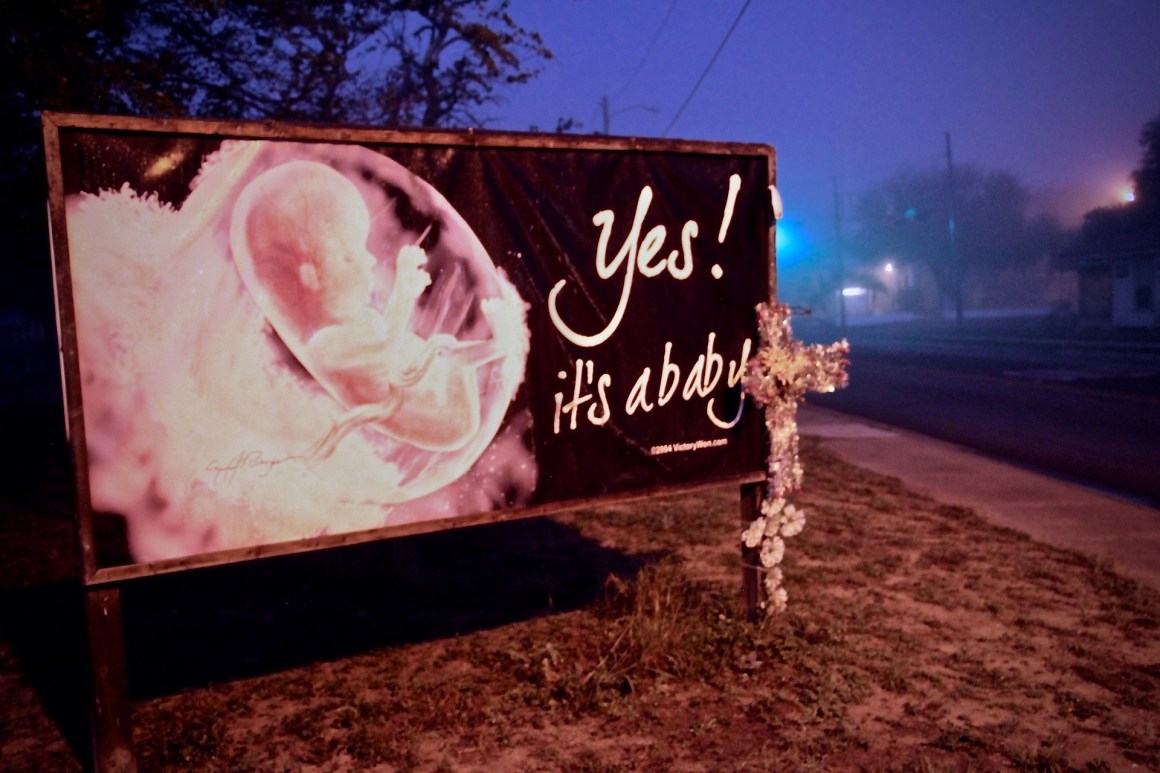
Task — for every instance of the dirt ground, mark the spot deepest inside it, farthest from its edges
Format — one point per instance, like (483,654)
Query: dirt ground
(918,638)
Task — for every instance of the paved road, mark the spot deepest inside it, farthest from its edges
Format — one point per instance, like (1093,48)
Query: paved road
(1078,408)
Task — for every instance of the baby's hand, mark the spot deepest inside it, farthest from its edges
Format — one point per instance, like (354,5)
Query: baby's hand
(506,320)
(409,274)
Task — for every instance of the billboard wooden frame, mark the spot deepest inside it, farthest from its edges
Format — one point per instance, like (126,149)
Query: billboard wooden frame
(111,734)
(54,123)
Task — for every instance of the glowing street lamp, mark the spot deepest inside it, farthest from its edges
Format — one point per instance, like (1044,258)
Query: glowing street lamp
(891,282)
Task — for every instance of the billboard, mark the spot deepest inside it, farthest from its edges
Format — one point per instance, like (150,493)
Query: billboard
(280,337)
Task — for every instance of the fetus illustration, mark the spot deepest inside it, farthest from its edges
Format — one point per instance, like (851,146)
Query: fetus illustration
(299,237)
(313,341)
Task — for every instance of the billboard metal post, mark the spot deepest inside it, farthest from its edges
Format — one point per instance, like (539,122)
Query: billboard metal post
(750,558)
(112,735)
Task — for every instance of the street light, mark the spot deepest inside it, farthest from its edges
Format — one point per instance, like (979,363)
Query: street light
(891,284)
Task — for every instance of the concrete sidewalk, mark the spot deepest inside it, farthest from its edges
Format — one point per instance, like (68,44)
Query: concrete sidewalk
(1047,509)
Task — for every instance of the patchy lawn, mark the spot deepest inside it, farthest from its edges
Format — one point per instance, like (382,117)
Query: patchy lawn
(919,638)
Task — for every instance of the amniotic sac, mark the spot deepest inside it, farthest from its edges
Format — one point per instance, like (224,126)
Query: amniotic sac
(313,342)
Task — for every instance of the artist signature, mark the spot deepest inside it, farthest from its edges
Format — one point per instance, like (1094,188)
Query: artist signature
(246,461)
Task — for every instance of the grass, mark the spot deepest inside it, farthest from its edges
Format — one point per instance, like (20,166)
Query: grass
(919,638)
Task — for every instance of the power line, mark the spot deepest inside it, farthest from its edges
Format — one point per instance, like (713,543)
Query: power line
(648,50)
(708,67)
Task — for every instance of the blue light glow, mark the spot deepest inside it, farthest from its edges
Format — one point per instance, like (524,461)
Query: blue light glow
(792,242)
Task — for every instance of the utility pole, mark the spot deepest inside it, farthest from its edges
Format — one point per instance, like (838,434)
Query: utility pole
(604,112)
(840,252)
(956,265)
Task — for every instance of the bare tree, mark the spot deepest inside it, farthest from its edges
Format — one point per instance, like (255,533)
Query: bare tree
(392,62)
(374,62)
(1133,225)
(906,217)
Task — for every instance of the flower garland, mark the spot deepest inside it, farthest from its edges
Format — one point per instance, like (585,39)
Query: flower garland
(777,377)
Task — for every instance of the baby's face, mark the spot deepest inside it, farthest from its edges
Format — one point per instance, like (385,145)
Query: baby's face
(346,274)
(299,234)
(338,225)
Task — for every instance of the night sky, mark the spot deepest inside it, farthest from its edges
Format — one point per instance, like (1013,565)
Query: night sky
(1054,91)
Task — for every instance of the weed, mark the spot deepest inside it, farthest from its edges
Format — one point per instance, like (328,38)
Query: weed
(880,565)
(925,765)
(1047,757)
(1071,704)
(662,624)
(955,738)
(957,513)
(589,762)
(943,556)
(892,676)
(936,591)
(191,738)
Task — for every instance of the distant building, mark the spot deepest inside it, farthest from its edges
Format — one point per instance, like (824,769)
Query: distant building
(1119,278)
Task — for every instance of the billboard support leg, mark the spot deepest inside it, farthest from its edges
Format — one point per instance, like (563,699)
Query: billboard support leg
(111,733)
(750,557)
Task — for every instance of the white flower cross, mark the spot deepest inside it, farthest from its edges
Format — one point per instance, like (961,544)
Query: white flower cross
(778,376)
